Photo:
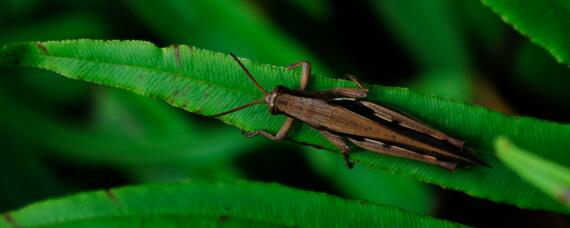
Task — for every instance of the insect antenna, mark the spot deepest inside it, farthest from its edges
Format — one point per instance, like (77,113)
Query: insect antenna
(255,102)
(249,75)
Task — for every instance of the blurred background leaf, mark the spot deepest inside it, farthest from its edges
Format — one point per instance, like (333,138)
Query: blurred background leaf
(548,176)
(428,30)
(544,22)
(541,78)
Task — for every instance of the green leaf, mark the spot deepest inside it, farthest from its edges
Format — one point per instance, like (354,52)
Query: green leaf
(45,84)
(207,83)
(204,203)
(548,176)
(545,22)
(209,24)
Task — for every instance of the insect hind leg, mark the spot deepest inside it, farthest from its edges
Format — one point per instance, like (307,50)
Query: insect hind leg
(338,141)
(280,134)
(353,93)
(383,148)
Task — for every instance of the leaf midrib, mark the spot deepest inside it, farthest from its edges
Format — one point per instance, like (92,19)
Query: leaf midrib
(169,73)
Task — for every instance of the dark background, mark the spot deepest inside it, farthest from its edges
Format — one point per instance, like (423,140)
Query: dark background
(61,136)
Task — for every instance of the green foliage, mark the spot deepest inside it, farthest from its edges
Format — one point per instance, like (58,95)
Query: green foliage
(194,79)
(131,132)
(550,177)
(212,204)
(544,22)
(61,136)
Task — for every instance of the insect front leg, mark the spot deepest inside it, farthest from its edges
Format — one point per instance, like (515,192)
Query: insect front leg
(280,134)
(339,142)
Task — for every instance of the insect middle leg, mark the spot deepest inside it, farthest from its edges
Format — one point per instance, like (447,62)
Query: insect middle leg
(280,134)
(339,142)
(355,80)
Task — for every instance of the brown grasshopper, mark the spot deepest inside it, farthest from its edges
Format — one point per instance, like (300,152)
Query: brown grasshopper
(343,114)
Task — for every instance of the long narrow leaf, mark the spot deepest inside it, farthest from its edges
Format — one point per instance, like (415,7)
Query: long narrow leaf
(207,83)
(203,203)
(550,177)
(545,22)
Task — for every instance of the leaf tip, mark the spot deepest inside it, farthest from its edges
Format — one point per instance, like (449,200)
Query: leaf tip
(502,144)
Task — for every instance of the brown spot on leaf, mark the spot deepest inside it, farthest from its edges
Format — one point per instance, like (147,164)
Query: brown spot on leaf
(206,95)
(565,196)
(143,222)
(175,93)
(172,98)
(176,49)
(223,218)
(362,202)
(111,196)
(42,48)
(10,220)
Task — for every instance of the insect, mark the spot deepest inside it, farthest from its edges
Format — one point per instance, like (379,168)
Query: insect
(344,115)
